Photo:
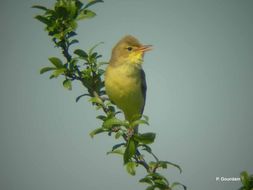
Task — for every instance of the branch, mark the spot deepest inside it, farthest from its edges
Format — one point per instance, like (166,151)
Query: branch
(85,67)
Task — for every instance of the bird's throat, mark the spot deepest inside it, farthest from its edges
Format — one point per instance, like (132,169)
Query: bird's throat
(136,58)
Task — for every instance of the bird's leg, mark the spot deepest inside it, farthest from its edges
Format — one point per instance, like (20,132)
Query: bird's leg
(130,133)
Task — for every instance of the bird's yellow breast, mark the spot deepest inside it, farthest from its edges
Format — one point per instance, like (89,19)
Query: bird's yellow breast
(123,86)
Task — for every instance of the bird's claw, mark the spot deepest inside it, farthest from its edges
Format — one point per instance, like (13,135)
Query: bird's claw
(130,133)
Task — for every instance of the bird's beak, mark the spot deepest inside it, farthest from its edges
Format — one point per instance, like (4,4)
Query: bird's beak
(145,48)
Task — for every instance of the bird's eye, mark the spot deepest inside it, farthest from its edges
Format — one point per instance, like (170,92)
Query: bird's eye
(129,48)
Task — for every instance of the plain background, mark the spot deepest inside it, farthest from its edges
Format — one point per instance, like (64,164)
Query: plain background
(199,99)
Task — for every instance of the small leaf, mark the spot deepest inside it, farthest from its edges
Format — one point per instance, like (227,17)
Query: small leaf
(150,188)
(111,108)
(130,167)
(79,4)
(146,180)
(109,123)
(86,14)
(157,176)
(138,122)
(118,145)
(78,98)
(57,72)
(62,12)
(178,184)
(40,7)
(101,117)
(102,63)
(56,62)
(71,34)
(172,164)
(73,42)
(97,131)
(145,117)
(146,148)
(96,100)
(67,84)
(130,151)
(145,138)
(152,164)
(163,164)
(245,179)
(43,19)
(81,53)
(46,69)
(118,134)
(94,55)
(117,151)
(161,184)
(92,3)
(92,49)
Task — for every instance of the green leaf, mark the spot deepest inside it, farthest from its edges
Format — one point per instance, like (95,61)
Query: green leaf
(96,100)
(71,34)
(157,176)
(109,123)
(93,55)
(145,138)
(72,8)
(92,2)
(130,151)
(175,184)
(118,145)
(73,42)
(146,148)
(78,97)
(150,188)
(81,53)
(101,117)
(43,19)
(67,84)
(118,134)
(97,131)
(245,179)
(102,63)
(117,151)
(137,122)
(46,69)
(79,4)
(40,7)
(92,49)
(111,108)
(145,117)
(73,62)
(57,72)
(146,180)
(172,164)
(161,184)
(62,12)
(56,62)
(130,167)
(251,182)
(85,14)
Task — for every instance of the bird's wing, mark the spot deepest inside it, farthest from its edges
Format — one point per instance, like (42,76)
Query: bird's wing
(143,88)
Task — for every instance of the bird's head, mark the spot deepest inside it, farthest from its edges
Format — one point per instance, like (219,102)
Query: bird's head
(129,51)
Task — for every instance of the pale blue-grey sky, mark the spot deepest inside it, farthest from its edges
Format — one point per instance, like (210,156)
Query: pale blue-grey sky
(199,97)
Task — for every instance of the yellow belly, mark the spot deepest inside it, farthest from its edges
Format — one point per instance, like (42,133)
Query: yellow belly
(123,86)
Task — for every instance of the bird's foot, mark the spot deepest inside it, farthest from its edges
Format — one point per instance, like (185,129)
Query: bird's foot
(130,133)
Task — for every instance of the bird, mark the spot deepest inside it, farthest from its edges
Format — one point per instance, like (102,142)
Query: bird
(125,81)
